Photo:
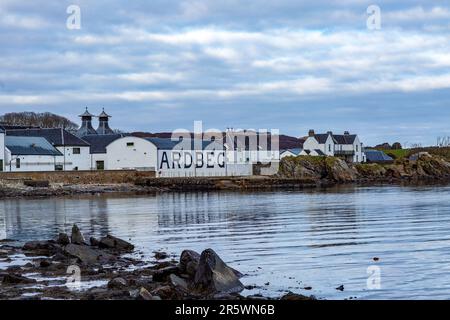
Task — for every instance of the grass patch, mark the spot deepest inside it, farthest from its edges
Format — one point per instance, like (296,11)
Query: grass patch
(398,153)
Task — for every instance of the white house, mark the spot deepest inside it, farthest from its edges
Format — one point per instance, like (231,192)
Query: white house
(346,146)
(29,154)
(2,149)
(75,152)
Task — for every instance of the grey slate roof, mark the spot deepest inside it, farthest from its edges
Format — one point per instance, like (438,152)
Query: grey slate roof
(30,146)
(57,137)
(86,129)
(86,114)
(319,152)
(295,151)
(337,138)
(321,137)
(344,138)
(103,127)
(377,156)
(104,114)
(100,142)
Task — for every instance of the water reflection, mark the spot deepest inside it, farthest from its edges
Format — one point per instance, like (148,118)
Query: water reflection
(318,238)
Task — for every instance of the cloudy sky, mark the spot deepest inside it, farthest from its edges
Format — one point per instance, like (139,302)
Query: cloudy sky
(289,64)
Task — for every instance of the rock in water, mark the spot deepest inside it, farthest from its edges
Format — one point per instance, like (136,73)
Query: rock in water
(111,242)
(161,255)
(295,297)
(63,239)
(77,236)
(189,260)
(117,283)
(161,275)
(45,263)
(93,241)
(144,294)
(214,276)
(46,248)
(17,279)
(178,282)
(87,255)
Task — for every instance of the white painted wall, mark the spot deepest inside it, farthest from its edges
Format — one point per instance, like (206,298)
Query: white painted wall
(359,154)
(98,157)
(131,153)
(29,163)
(2,151)
(81,161)
(312,144)
(191,163)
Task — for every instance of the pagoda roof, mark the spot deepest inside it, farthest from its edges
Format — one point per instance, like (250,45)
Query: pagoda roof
(104,114)
(86,114)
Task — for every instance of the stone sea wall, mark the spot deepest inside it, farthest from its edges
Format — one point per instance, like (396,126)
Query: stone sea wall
(79,177)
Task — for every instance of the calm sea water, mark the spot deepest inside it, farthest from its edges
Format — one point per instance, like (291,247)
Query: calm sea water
(290,240)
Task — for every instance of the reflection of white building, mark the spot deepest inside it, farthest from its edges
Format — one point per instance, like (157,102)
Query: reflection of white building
(346,146)
(2,226)
(2,149)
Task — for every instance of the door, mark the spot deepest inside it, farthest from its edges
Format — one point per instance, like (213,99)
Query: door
(1,165)
(100,165)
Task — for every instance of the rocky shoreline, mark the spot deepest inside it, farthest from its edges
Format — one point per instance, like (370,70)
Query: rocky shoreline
(71,267)
(294,173)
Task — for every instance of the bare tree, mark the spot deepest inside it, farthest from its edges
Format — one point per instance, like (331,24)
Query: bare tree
(43,120)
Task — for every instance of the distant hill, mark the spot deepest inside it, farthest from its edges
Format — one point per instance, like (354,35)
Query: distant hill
(286,142)
(32,119)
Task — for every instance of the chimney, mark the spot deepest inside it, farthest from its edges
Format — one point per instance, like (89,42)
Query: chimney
(103,124)
(86,124)
(311,133)
(346,133)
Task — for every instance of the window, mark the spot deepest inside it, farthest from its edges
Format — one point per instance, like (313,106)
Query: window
(76,150)
(329,147)
(58,167)
(1,165)
(100,165)
(17,163)
(75,169)
(130,144)
(356,148)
